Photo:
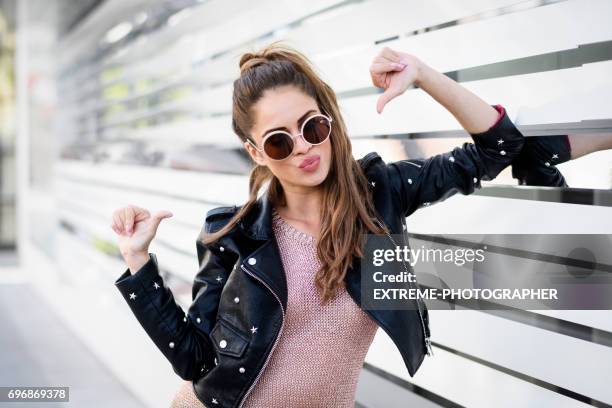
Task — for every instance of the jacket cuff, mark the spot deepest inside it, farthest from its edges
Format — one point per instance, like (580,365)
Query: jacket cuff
(499,122)
(132,284)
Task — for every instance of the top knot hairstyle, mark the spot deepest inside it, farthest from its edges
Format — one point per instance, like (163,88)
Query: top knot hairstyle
(346,194)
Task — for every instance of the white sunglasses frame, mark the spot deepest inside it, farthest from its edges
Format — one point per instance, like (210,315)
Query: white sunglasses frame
(301,134)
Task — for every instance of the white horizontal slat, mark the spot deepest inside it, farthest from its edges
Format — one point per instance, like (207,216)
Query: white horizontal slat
(104,200)
(353,25)
(536,352)
(184,184)
(562,96)
(464,382)
(589,171)
(475,214)
(535,31)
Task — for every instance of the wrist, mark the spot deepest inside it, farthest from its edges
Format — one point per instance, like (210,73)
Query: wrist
(136,260)
(422,71)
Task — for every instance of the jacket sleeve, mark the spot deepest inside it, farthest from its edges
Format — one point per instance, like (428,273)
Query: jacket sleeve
(184,339)
(421,182)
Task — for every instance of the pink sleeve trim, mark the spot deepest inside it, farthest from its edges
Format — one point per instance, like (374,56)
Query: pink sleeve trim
(501,111)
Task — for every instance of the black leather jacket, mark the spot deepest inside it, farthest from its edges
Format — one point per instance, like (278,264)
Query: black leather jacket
(226,338)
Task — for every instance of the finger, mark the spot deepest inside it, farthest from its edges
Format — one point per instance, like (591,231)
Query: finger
(128,219)
(384,67)
(141,214)
(115,227)
(384,98)
(391,55)
(160,215)
(118,222)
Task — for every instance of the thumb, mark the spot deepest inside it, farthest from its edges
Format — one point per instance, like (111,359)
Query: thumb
(160,215)
(384,98)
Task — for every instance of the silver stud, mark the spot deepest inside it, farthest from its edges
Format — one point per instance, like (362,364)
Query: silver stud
(219,279)
(221,249)
(198,320)
(214,401)
(236,299)
(132,295)
(184,318)
(409,181)
(252,261)
(451,158)
(555,156)
(475,180)
(242,370)
(547,164)
(500,141)
(223,343)
(171,344)
(253,329)
(216,361)
(503,152)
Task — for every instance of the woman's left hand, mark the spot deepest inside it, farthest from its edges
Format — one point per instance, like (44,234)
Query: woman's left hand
(393,71)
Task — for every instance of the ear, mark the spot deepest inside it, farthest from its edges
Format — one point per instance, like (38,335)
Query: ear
(255,154)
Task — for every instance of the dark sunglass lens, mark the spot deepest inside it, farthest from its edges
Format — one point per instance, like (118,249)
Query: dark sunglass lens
(278,146)
(317,129)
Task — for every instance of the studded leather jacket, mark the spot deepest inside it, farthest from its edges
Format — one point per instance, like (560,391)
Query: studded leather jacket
(239,297)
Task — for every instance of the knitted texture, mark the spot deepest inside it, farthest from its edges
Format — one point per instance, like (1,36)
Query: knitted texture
(186,398)
(318,358)
(319,355)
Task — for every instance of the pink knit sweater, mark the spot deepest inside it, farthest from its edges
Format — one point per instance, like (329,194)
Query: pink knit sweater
(318,358)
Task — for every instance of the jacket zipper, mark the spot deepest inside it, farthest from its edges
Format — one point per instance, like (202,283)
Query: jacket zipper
(275,341)
(426,337)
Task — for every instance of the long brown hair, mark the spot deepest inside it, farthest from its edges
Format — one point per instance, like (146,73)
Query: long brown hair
(347,204)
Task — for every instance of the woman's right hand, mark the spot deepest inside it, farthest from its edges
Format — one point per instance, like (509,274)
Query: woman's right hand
(136,228)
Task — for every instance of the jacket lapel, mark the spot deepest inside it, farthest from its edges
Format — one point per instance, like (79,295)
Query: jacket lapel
(257,225)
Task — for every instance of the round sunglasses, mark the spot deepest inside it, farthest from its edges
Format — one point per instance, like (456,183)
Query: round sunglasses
(278,144)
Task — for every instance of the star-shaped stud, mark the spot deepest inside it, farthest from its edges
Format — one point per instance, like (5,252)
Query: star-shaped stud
(253,329)
(219,279)
(155,285)
(214,401)
(373,183)
(555,156)
(500,141)
(404,227)
(451,158)
(132,295)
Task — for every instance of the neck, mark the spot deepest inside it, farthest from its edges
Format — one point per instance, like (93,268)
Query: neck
(302,204)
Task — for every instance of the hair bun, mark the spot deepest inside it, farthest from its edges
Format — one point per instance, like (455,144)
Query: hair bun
(249,60)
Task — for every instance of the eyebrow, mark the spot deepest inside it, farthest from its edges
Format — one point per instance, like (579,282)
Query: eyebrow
(284,128)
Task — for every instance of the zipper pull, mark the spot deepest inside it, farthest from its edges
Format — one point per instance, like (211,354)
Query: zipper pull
(428,347)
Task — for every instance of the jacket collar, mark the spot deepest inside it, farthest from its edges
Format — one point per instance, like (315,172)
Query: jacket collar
(257,224)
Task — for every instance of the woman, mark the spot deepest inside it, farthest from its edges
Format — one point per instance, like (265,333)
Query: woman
(276,318)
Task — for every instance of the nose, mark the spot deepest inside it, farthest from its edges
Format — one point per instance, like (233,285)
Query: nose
(301,145)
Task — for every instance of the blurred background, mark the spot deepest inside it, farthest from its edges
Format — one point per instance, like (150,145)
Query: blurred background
(105,103)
